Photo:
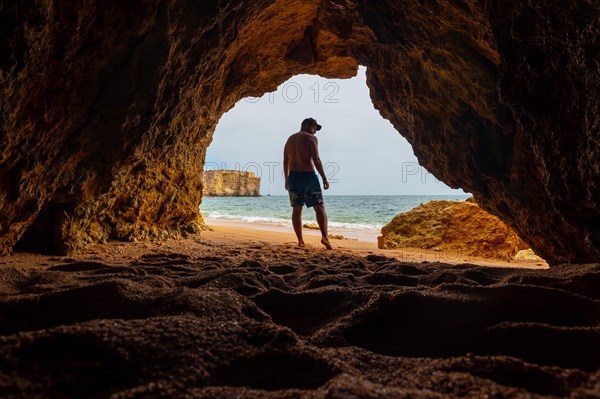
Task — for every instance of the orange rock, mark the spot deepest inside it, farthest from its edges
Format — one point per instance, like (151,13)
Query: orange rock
(461,227)
(107,108)
(230,183)
(312,226)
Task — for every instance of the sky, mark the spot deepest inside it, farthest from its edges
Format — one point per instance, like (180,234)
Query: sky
(362,153)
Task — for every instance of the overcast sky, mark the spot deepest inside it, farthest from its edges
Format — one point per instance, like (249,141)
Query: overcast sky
(362,152)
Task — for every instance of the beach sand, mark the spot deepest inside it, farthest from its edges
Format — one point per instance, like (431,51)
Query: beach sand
(245,313)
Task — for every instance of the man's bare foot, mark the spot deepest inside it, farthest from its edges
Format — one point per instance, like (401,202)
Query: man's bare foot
(325,241)
(301,244)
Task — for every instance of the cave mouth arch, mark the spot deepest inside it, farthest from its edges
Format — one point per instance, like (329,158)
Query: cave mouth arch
(362,152)
(494,98)
(363,155)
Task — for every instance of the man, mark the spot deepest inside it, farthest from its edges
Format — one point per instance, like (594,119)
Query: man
(300,158)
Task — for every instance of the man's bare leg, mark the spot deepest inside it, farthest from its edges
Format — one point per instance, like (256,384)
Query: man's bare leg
(297,223)
(322,222)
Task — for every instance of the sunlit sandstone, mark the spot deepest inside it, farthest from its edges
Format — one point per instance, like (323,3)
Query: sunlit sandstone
(230,183)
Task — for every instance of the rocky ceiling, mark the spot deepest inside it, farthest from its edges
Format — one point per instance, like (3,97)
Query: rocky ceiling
(107,107)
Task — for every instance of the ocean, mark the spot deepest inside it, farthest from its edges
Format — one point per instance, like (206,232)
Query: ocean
(353,216)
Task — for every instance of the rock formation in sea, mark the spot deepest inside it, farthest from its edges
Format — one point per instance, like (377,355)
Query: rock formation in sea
(453,227)
(230,183)
(107,108)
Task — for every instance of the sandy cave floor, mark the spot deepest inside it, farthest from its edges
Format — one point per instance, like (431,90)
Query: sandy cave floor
(247,315)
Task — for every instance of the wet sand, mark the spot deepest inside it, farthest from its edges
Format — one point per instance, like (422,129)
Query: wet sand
(246,314)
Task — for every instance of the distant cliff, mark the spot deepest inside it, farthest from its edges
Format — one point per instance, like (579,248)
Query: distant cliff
(230,183)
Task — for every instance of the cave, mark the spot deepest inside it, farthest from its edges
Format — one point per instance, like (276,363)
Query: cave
(107,108)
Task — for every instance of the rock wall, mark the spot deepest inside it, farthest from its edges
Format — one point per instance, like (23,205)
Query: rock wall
(107,107)
(459,228)
(230,183)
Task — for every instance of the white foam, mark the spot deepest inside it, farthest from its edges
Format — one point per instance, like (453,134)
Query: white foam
(356,226)
(248,219)
(265,220)
(287,222)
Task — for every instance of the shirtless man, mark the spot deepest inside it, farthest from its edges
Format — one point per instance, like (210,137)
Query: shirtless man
(300,158)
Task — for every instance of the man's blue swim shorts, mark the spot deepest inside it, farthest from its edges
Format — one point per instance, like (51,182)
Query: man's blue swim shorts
(304,189)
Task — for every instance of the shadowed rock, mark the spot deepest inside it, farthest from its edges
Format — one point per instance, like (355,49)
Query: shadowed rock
(107,108)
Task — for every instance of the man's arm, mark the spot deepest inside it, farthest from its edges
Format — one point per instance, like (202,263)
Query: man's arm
(314,153)
(286,168)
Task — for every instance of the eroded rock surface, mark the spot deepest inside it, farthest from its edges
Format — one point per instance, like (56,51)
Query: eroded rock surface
(451,226)
(107,108)
(230,183)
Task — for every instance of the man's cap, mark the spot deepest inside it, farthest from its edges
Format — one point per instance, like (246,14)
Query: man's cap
(309,122)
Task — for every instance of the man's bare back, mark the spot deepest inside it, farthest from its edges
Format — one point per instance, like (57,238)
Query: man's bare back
(299,151)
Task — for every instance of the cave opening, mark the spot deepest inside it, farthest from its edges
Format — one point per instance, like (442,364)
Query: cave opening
(116,119)
(372,170)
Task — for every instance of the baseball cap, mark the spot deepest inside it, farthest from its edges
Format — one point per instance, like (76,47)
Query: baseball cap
(310,121)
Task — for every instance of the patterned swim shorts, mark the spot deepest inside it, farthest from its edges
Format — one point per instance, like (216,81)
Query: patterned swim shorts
(304,189)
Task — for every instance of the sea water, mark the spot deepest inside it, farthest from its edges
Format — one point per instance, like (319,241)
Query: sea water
(353,216)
